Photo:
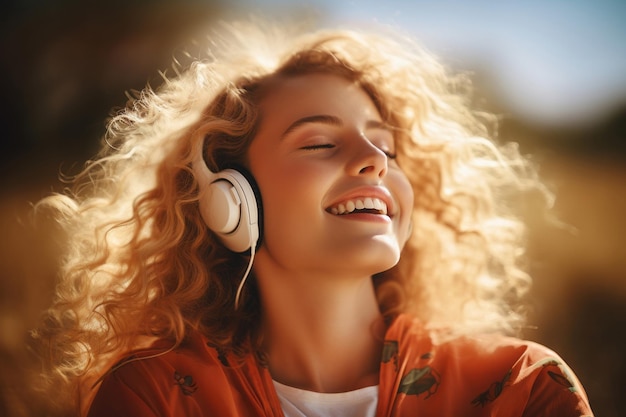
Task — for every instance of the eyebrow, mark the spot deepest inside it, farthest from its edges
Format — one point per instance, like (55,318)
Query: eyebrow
(318,118)
(332,121)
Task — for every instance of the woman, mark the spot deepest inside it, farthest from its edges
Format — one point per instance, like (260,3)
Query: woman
(304,226)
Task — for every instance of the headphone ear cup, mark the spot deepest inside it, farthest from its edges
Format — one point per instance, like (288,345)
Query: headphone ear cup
(229,203)
(230,208)
(254,205)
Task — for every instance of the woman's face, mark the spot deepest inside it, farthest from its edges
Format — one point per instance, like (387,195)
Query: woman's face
(334,199)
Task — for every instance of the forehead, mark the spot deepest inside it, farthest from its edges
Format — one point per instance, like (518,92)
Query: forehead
(305,95)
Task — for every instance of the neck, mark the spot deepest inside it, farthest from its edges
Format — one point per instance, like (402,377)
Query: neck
(322,333)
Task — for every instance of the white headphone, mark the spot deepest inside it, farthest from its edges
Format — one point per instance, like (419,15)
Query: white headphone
(230,208)
(228,204)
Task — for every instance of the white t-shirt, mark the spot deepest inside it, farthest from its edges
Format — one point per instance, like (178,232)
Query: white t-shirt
(300,403)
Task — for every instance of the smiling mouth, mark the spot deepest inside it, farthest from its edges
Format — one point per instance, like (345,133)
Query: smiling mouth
(359,205)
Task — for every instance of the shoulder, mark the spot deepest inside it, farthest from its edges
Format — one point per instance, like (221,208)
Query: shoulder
(408,332)
(162,361)
(483,371)
(152,381)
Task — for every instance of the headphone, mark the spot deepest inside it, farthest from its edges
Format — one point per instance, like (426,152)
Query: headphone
(229,204)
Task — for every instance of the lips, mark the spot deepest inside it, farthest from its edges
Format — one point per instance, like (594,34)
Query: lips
(373,200)
(366,204)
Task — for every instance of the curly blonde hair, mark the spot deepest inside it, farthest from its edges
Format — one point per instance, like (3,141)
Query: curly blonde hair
(140,263)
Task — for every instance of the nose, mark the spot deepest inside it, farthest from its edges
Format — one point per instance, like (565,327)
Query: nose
(366,159)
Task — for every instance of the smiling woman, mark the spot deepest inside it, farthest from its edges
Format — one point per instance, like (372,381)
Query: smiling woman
(326,150)
(300,225)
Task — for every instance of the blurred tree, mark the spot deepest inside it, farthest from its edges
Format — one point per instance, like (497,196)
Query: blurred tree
(63,66)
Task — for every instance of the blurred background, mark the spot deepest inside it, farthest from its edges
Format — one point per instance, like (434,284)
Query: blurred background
(555,70)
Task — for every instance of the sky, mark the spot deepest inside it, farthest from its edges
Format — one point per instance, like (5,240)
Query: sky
(551,61)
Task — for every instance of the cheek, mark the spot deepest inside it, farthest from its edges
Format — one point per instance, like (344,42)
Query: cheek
(404,192)
(283,180)
(279,183)
(286,194)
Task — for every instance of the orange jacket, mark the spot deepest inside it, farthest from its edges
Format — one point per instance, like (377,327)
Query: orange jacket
(470,377)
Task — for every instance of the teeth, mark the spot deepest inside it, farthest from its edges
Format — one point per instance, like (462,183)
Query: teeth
(360,204)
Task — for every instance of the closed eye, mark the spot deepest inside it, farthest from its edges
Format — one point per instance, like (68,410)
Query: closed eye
(318,146)
(389,154)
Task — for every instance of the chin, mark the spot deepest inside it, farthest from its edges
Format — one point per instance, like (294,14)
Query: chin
(378,258)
